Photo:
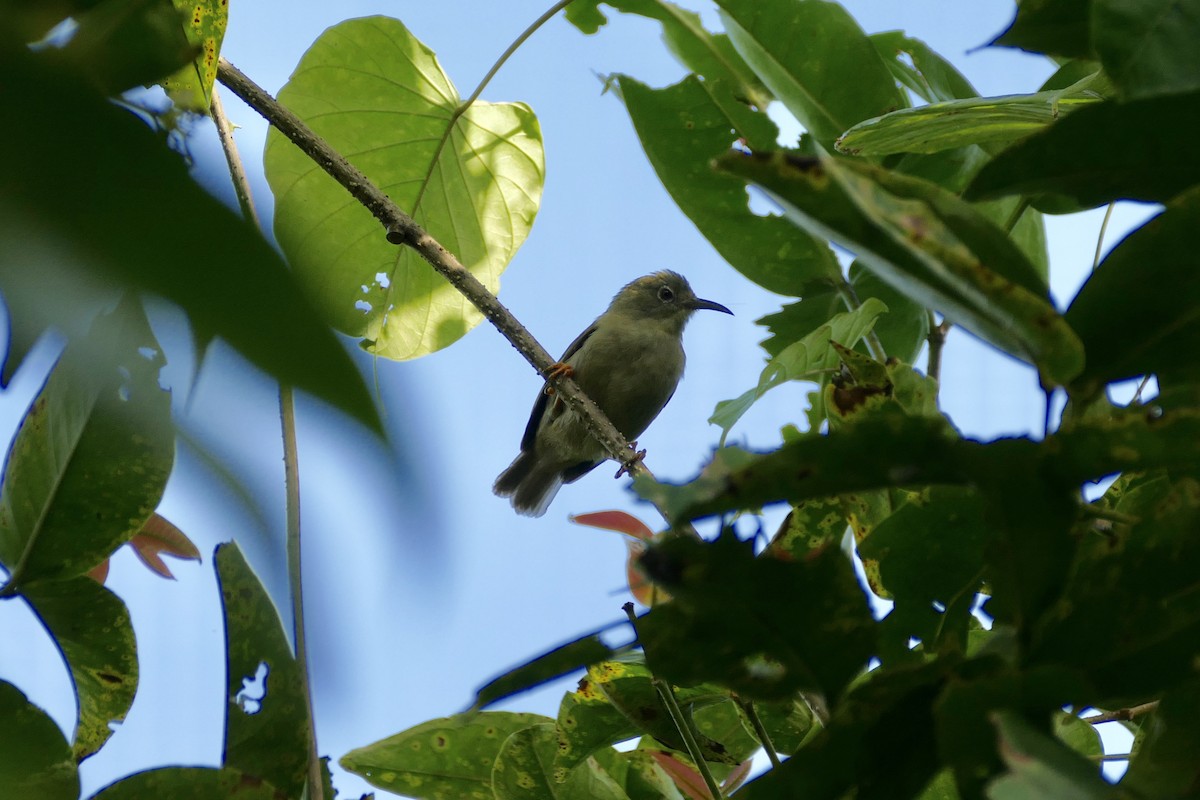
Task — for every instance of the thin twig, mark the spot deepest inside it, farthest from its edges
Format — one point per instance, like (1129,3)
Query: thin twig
(291,469)
(1100,239)
(1122,714)
(852,303)
(937,340)
(682,722)
(403,230)
(760,731)
(491,73)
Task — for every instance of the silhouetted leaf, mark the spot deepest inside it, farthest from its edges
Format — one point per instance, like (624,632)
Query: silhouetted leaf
(815,632)
(75,222)
(583,652)
(1138,313)
(192,783)
(1148,47)
(1041,766)
(1164,755)
(1055,27)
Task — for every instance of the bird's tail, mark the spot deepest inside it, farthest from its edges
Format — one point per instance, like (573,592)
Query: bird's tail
(530,485)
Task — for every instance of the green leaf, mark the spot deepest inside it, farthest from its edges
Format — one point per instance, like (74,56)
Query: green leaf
(1129,617)
(628,686)
(808,359)
(192,783)
(710,55)
(813,56)
(191,87)
(788,722)
(265,732)
(901,331)
(587,722)
(879,743)
(1040,766)
(985,121)
(35,759)
(929,76)
(442,758)
(92,630)
(1078,734)
(525,770)
(1137,313)
(683,128)
(378,95)
(1075,157)
(75,221)
(816,633)
(91,458)
(931,550)
(1148,47)
(1055,27)
(582,652)
(1164,762)
(931,246)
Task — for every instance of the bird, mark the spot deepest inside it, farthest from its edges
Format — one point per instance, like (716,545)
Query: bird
(629,361)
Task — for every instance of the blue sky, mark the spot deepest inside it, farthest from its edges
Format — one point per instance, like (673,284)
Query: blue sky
(422,585)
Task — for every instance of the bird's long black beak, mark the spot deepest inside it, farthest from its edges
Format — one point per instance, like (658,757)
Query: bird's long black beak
(699,304)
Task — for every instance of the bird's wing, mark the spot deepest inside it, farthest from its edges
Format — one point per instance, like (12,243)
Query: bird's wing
(539,406)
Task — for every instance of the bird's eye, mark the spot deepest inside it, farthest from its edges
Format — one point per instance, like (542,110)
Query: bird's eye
(665,294)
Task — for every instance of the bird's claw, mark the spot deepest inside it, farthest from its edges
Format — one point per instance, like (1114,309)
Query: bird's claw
(638,457)
(558,369)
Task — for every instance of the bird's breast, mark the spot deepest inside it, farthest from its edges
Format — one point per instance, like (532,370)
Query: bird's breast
(631,374)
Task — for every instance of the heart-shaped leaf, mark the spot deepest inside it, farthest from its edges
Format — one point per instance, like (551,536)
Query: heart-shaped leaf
(474,182)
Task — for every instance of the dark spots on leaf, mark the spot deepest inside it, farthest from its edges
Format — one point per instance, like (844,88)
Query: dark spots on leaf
(110,678)
(803,473)
(440,742)
(804,163)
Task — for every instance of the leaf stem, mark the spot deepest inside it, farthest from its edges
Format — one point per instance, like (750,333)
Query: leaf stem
(491,73)
(291,468)
(403,230)
(682,722)
(760,731)
(852,303)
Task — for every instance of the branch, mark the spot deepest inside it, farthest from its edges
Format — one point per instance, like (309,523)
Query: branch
(1122,714)
(403,230)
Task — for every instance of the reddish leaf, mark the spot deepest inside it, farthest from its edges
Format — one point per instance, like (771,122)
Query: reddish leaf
(642,589)
(159,536)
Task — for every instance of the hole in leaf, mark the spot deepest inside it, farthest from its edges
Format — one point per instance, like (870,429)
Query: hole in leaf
(383,280)
(760,205)
(362,305)
(254,690)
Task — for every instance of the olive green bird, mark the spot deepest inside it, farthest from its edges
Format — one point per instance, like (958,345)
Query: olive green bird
(629,361)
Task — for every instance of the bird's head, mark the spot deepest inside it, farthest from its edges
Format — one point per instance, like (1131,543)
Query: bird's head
(663,296)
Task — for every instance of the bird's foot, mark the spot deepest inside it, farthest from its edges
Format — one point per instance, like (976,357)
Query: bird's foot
(637,459)
(558,369)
